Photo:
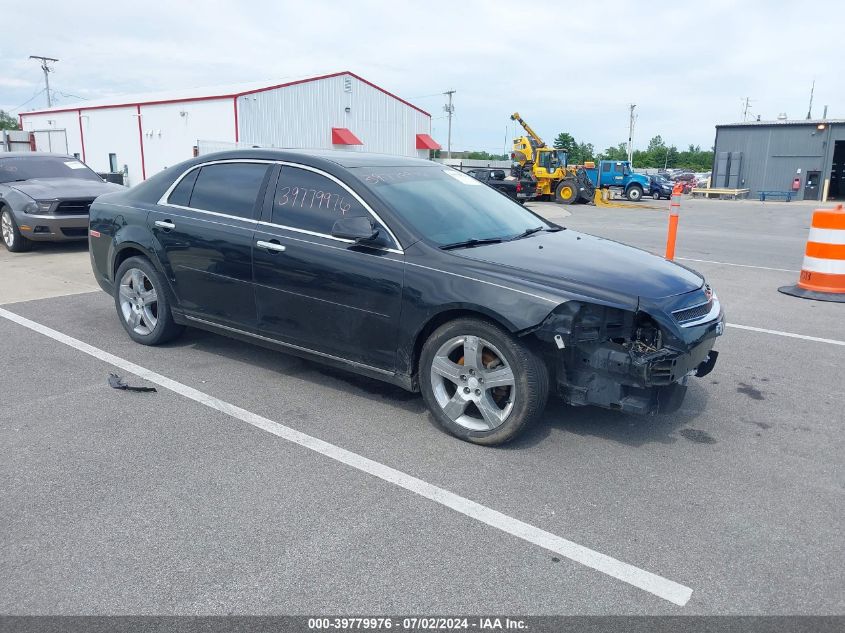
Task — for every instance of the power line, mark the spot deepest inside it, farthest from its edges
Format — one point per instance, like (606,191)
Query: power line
(27,101)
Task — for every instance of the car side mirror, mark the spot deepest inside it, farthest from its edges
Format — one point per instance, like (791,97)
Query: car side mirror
(359,229)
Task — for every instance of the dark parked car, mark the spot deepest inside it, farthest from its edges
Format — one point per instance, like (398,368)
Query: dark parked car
(659,187)
(406,271)
(45,197)
(519,190)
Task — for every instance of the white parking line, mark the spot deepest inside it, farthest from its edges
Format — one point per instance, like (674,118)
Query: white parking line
(710,261)
(804,337)
(652,583)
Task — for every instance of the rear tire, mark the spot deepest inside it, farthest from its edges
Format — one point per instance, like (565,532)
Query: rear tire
(566,192)
(480,383)
(12,238)
(656,196)
(143,303)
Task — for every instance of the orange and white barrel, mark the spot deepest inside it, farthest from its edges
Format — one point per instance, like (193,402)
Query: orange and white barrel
(823,270)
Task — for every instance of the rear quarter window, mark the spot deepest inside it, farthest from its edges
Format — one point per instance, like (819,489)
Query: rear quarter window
(181,195)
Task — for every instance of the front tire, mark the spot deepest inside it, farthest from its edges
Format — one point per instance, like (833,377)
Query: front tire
(656,196)
(635,193)
(142,303)
(480,383)
(12,238)
(566,192)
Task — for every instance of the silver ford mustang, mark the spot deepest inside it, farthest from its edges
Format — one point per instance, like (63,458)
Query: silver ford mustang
(45,197)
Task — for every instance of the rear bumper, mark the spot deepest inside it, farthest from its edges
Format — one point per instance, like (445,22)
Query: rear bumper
(53,228)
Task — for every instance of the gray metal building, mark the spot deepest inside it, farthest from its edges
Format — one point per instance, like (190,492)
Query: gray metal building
(806,157)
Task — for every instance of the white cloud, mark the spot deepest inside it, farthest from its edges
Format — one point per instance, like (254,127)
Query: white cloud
(575,68)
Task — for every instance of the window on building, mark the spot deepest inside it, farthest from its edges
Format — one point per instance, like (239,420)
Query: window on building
(311,202)
(113,163)
(181,195)
(229,188)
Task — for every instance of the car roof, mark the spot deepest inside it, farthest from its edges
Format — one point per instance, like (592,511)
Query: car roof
(34,155)
(315,157)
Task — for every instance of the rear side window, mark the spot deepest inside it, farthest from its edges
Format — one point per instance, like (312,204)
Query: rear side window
(605,167)
(229,188)
(181,195)
(311,202)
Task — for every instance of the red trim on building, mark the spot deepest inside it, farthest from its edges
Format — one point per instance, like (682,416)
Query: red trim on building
(235,104)
(343,136)
(237,94)
(141,140)
(424,141)
(81,135)
(20,121)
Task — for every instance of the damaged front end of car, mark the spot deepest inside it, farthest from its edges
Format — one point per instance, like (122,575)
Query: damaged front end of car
(632,361)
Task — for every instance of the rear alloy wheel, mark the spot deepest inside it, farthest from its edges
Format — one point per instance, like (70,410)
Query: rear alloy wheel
(480,383)
(12,238)
(635,193)
(142,303)
(655,195)
(566,192)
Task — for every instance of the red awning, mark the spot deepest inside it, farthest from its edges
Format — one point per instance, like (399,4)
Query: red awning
(424,141)
(342,136)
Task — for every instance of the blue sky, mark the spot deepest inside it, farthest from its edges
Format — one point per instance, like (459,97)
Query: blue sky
(686,65)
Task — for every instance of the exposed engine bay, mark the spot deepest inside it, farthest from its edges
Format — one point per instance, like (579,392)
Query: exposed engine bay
(620,359)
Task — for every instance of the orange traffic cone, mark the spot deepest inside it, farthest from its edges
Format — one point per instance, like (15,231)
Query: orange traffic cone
(823,271)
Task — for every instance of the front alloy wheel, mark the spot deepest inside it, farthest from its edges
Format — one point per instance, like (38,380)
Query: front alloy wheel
(472,383)
(12,238)
(481,383)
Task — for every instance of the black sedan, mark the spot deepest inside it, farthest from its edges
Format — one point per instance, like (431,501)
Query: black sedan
(407,271)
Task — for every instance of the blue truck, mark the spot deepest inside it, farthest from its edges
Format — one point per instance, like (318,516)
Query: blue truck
(617,174)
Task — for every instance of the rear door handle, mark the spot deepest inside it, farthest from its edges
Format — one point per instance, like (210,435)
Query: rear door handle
(273,246)
(165,224)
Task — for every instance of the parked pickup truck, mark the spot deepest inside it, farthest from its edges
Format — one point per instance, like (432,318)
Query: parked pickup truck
(517,189)
(618,175)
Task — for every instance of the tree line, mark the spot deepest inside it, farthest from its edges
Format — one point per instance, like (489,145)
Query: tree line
(657,154)
(7,121)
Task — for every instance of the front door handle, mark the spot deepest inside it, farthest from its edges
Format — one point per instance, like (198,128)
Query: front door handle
(165,224)
(273,247)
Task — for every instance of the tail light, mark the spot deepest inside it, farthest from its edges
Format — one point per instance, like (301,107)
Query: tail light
(518,187)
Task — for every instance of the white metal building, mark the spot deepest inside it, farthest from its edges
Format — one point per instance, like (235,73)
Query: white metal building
(143,134)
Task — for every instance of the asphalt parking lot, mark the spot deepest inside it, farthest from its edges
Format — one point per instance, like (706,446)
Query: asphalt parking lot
(156,503)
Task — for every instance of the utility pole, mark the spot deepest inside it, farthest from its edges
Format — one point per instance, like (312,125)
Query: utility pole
(631,132)
(747,102)
(450,110)
(45,66)
(810,109)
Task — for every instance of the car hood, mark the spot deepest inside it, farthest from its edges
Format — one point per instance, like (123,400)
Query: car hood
(588,265)
(49,188)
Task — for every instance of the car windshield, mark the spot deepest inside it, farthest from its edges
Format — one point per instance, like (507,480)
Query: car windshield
(16,168)
(447,206)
